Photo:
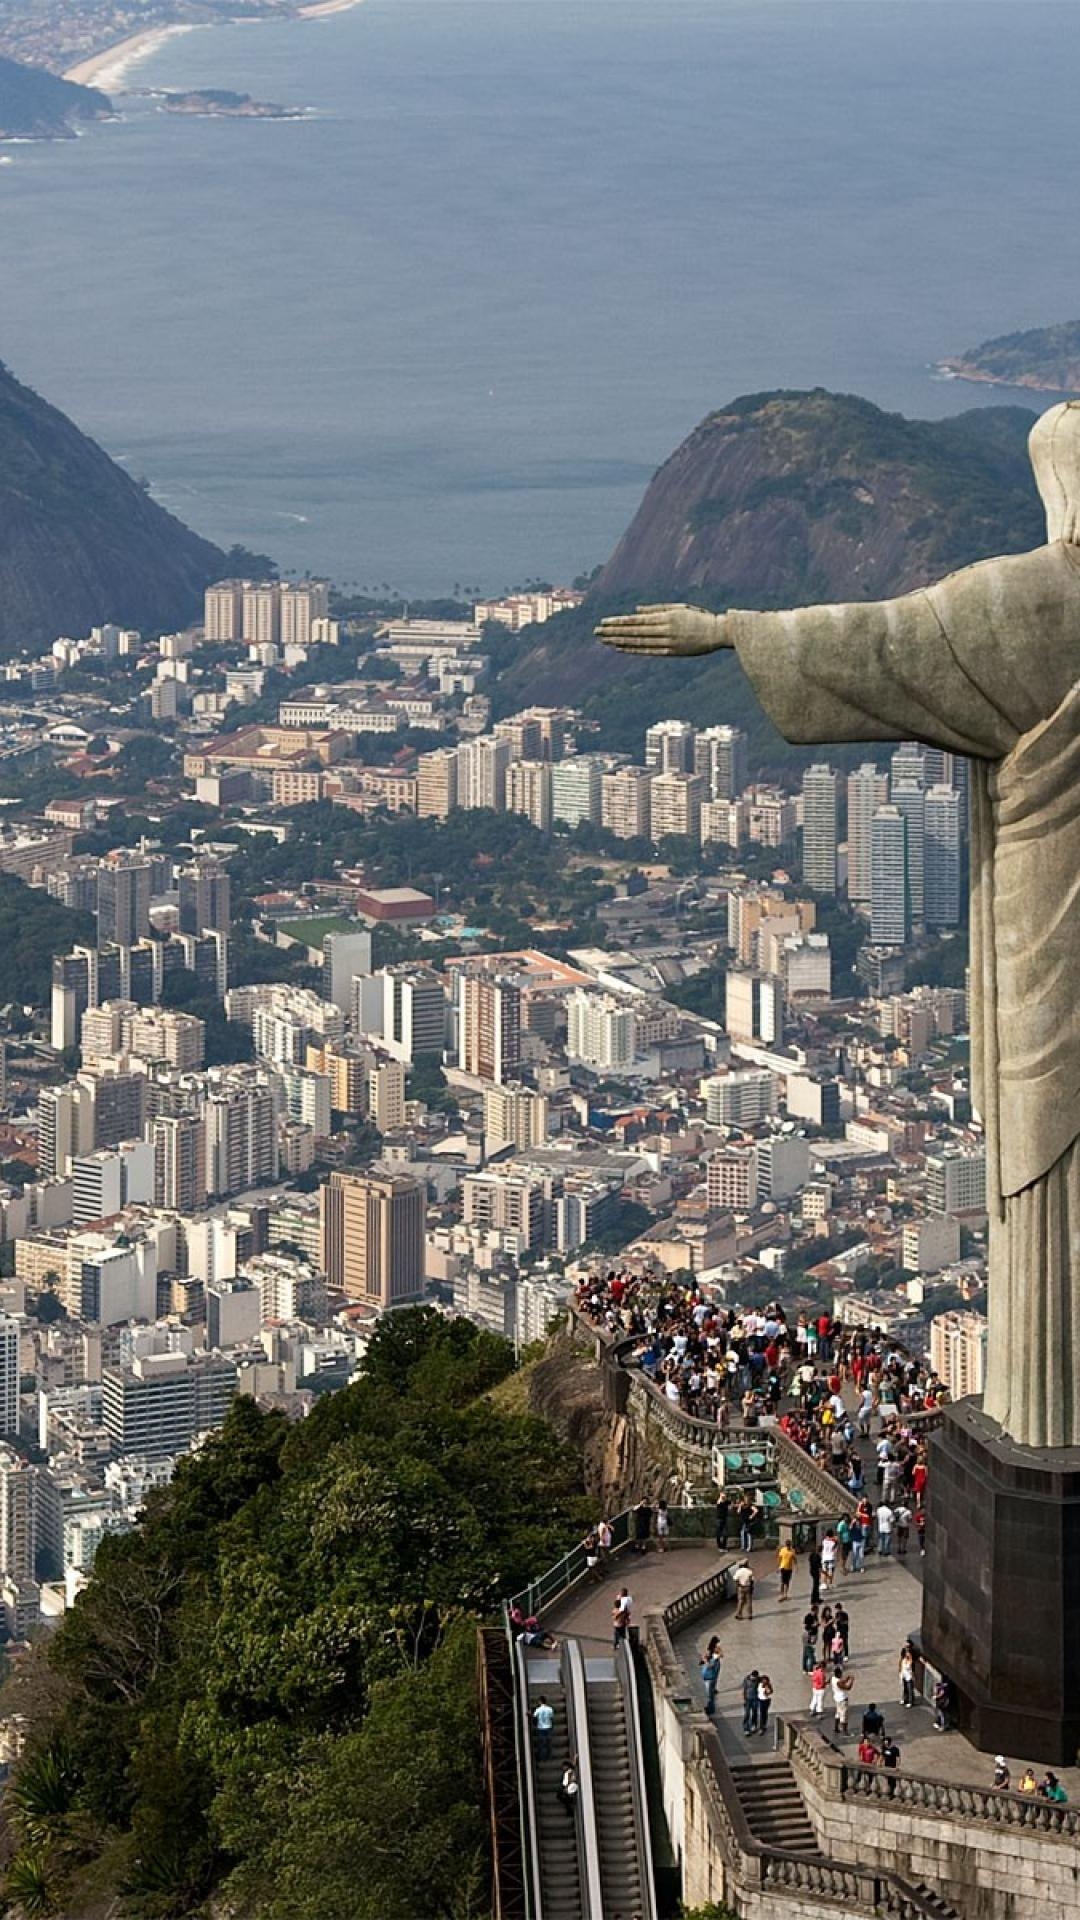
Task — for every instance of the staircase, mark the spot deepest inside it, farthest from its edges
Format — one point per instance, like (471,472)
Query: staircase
(620,1875)
(556,1827)
(775,1811)
(934,1902)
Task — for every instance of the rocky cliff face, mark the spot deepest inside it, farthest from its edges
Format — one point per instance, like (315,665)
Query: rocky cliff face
(788,498)
(80,541)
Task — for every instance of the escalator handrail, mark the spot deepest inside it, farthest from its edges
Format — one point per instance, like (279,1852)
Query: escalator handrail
(628,1688)
(575,1686)
(530,1831)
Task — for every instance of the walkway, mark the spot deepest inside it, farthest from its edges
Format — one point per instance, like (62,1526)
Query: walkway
(884,1604)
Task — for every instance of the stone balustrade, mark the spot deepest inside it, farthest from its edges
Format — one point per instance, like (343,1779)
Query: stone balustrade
(838,1778)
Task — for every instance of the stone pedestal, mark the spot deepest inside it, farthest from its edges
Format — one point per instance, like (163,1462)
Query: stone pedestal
(1001,1600)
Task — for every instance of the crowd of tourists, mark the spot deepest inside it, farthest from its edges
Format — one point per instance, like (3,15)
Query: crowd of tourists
(832,1389)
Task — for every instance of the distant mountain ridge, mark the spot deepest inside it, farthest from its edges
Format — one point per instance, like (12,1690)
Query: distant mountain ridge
(1046,359)
(35,105)
(80,541)
(785,499)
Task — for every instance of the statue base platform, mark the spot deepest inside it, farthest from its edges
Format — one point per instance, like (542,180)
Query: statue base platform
(1001,1596)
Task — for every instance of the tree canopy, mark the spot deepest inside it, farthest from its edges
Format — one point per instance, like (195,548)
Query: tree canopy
(264,1697)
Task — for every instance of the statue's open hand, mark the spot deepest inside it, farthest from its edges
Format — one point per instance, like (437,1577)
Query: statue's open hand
(663,630)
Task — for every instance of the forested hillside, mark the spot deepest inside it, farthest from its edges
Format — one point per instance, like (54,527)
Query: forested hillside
(263,1704)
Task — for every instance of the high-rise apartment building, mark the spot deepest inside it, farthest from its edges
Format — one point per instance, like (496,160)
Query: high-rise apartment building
(890,902)
(179,1145)
(110,1179)
(910,797)
(907,766)
(385,1094)
(754,1006)
(740,1099)
(65,1127)
(575,790)
(675,801)
(159,1403)
(505,1203)
(482,768)
(956,1181)
(819,831)
(731,1183)
(302,604)
(489,1024)
(601,1031)
(437,783)
(9,1374)
(528,791)
(720,755)
(223,610)
(867,790)
(669,747)
(958,1352)
(205,897)
(624,803)
(261,613)
(241,1131)
(408,1012)
(941,857)
(514,1116)
(344,956)
(373,1228)
(123,908)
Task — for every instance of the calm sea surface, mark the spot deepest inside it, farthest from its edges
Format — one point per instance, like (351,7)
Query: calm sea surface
(443,331)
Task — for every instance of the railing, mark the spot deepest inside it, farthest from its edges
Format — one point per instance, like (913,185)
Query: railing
(708,1593)
(530,1833)
(572,1674)
(841,1779)
(685,1523)
(627,1680)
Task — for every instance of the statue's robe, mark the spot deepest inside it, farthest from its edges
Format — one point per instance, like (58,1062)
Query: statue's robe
(987,664)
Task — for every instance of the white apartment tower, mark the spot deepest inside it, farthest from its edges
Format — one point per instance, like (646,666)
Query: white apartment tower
(601,1032)
(669,747)
(867,790)
(890,909)
(675,802)
(819,795)
(624,803)
(941,857)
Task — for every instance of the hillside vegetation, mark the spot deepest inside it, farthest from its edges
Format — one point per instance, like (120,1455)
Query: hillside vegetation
(263,1704)
(37,106)
(784,499)
(80,541)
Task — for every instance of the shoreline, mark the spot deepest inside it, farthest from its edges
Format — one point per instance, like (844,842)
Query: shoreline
(108,68)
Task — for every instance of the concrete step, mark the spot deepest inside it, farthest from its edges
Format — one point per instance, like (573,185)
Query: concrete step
(773,1805)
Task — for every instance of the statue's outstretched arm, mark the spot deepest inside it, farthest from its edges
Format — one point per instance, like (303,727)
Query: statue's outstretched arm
(871,670)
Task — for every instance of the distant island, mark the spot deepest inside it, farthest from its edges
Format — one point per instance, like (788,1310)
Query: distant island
(218,103)
(1046,359)
(38,106)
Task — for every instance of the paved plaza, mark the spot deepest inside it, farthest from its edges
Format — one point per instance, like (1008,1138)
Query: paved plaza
(884,1604)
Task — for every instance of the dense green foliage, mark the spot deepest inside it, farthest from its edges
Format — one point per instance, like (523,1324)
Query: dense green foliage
(1042,357)
(266,1690)
(34,927)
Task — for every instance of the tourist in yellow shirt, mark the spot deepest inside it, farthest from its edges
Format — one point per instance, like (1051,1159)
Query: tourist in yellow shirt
(786,1557)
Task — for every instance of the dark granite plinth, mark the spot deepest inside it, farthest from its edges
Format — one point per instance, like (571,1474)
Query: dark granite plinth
(1001,1601)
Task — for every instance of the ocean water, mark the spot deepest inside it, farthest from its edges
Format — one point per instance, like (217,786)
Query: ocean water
(442,331)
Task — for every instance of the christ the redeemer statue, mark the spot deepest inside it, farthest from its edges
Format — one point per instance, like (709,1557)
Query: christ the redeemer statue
(987,663)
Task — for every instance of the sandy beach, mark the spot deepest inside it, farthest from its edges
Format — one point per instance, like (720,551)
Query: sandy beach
(111,67)
(320,9)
